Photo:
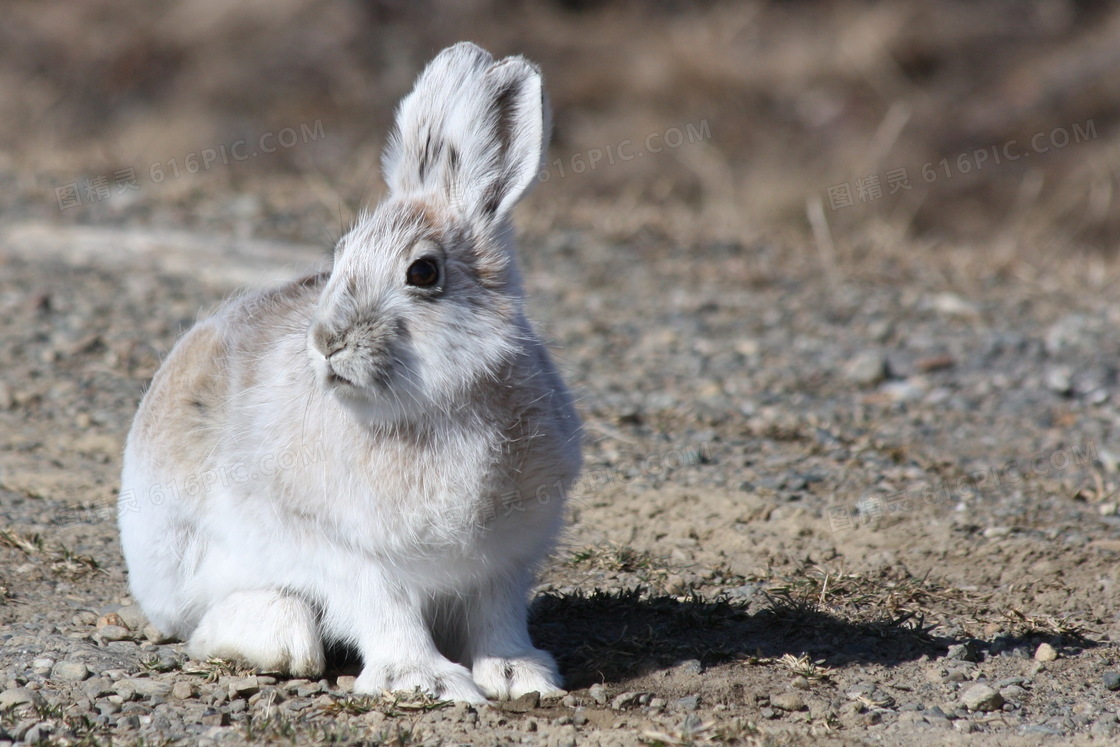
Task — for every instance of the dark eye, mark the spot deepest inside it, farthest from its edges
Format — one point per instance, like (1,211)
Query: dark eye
(423,273)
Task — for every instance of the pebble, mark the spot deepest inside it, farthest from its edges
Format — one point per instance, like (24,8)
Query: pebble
(688,703)
(788,701)
(155,635)
(114,633)
(19,696)
(1111,680)
(71,671)
(133,617)
(345,683)
(1045,652)
(243,687)
(111,619)
(628,700)
(598,693)
(981,697)
(148,688)
(866,368)
(182,690)
(966,651)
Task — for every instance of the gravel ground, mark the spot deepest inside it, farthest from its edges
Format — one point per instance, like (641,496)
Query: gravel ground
(856,501)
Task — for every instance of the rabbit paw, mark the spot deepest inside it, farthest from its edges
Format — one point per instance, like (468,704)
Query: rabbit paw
(503,678)
(270,630)
(443,680)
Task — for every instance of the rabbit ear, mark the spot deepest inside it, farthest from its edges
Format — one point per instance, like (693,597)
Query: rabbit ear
(472,133)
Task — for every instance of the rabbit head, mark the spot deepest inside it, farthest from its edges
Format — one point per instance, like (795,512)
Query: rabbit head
(424,301)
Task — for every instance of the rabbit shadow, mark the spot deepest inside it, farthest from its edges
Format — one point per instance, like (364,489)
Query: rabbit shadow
(616,636)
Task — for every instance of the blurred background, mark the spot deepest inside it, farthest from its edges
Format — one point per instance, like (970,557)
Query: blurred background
(857,126)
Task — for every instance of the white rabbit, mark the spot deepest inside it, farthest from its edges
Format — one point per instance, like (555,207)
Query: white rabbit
(379,454)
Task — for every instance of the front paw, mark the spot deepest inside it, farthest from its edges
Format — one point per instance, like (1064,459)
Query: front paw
(443,680)
(503,678)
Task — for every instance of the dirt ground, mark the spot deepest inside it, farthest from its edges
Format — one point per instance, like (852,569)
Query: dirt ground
(849,386)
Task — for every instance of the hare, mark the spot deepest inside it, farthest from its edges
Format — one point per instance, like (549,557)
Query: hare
(442,439)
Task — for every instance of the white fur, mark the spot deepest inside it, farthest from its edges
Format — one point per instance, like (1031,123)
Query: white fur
(353,458)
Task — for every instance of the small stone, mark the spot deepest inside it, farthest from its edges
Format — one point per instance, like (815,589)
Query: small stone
(524,704)
(71,671)
(133,617)
(345,683)
(626,700)
(42,666)
(966,651)
(598,693)
(1060,380)
(788,701)
(982,698)
(111,619)
(114,633)
(690,666)
(1045,652)
(866,368)
(18,696)
(182,690)
(143,687)
(214,718)
(688,703)
(242,687)
(155,635)
(97,687)
(799,682)
(1111,680)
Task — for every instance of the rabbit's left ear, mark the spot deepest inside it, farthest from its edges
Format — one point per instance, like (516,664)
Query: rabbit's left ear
(472,134)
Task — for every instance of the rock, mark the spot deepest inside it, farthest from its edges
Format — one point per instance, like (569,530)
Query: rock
(800,683)
(688,703)
(966,651)
(982,698)
(1111,680)
(345,683)
(133,617)
(524,704)
(866,368)
(243,687)
(1045,652)
(114,633)
(788,701)
(18,696)
(598,693)
(155,635)
(70,671)
(1060,380)
(142,687)
(111,619)
(1013,693)
(626,700)
(97,687)
(42,666)
(182,690)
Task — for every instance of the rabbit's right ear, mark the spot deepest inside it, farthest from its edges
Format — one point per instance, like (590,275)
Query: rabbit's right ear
(472,134)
